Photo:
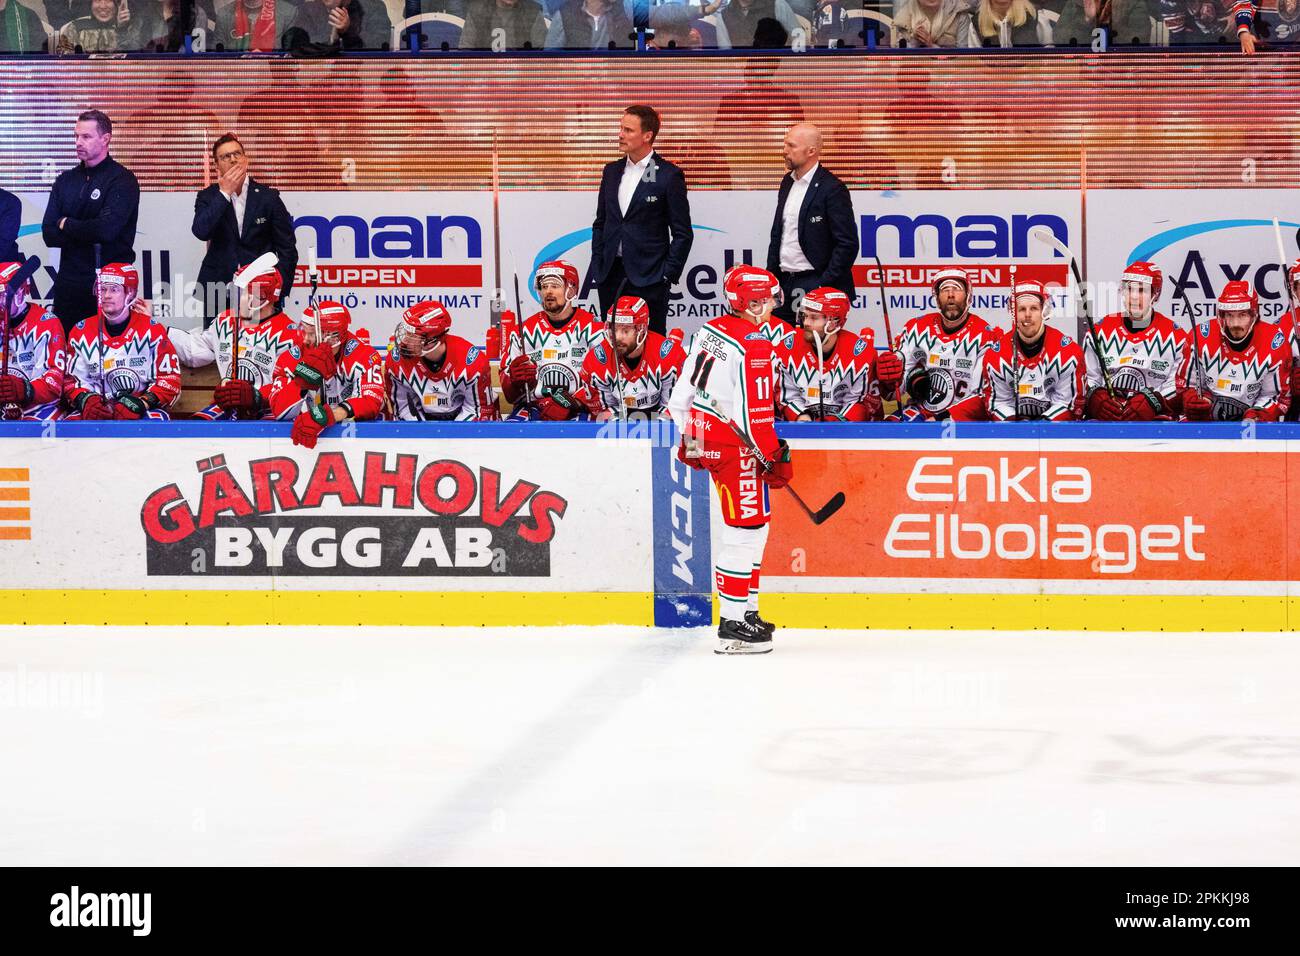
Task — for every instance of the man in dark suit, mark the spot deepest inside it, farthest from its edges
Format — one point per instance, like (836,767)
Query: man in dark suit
(814,237)
(240,219)
(642,233)
(11,220)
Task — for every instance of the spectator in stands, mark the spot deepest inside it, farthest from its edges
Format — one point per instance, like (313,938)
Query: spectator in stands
(11,220)
(97,33)
(345,24)
(20,29)
(590,25)
(240,219)
(673,25)
(743,16)
(521,23)
(59,13)
(1006,23)
(415,8)
(845,22)
(1127,20)
(1284,22)
(255,25)
(162,25)
(933,23)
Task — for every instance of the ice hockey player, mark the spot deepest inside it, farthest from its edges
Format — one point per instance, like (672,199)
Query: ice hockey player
(34,384)
(823,371)
(542,364)
(939,357)
(264,335)
(1241,367)
(631,373)
(1034,372)
(331,377)
(1142,350)
(1289,322)
(120,362)
(726,386)
(434,376)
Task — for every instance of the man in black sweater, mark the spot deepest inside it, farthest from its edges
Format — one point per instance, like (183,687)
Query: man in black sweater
(94,203)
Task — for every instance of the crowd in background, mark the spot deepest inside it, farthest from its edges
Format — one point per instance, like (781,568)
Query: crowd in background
(324,27)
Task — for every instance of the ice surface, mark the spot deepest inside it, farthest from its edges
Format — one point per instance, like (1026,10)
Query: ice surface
(626,745)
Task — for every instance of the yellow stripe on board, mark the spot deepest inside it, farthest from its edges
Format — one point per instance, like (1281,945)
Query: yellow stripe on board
(1027,612)
(15,474)
(380,608)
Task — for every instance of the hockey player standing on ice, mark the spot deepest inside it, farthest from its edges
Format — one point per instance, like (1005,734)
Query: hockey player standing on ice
(542,364)
(939,357)
(1242,368)
(841,386)
(1142,349)
(332,377)
(728,381)
(1033,372)
(120,362)
(434,376)
(264,335)
(1289,322)
(633,369)
(34,385)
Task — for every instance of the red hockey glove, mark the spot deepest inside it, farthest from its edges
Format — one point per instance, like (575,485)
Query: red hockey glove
(1196,406)
(1295,384)
(782,469)
(317,365)
(15,391)
(93,408)
(690,461)
(889,369)
(557,407)
(1105,407)
(522,370)
(129,408)
(1258,415)
(676,335)
(309,424)
(1141,407)
(237,395)
(492,343)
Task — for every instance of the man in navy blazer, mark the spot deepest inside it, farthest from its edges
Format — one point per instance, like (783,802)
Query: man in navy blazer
(642,233)
(240,219)
(814,237)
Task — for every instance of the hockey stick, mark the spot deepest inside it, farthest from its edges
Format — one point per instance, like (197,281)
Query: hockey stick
(313,277)
(1196,340)
(819,516)
(25,272)
(821,379)
(1281,261)
(103,388)
(1046,237)
(497,305)
(1015,345)
(889,332)
(613,347)
(518,331)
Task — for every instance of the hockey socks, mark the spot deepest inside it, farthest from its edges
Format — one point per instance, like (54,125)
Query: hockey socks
(739,557)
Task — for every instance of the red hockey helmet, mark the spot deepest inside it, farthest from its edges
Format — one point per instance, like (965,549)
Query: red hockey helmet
(18,298)
(630,311)
(950,274)
(744,285)
(1146,273)
(1034,289)
(266,285)
(1238,296)
(420,328)
(831,304)
(1293,274)
(121,274)
(326,319)
(557,269)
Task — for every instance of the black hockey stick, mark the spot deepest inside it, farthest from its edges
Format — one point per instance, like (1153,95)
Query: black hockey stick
(1196,340)
(99,324)
(25,271)
(613,348)
(1046,237)
(889,332)
(1015,347)
(819,516)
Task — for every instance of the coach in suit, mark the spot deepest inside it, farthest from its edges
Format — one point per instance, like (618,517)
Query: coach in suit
(814,239)
(240,219)
(11,220)
(642,233)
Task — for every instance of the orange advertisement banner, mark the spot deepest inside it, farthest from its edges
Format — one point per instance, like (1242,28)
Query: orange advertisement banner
(1099,515)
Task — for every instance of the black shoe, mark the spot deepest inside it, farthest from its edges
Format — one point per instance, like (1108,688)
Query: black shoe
(767,627)
(741,637)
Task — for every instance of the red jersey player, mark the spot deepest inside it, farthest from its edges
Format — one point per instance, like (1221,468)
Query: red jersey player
(1033,372)
(434,376)
(939,358)
(1289,323)
(727,385)
(33,385)
(632,373)
(332,377)
(542,363)
(823,371)
(120,362)
(264,335)
(1142,350)
(1241,367)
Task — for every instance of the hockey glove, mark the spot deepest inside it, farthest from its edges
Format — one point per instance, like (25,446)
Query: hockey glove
(684,455)
(522,370)
(1196,406)
(317,365)
(558,406)
(130,407)
(93,408)
(492,343)
(15,391)
(918,386)
(1142,406)
(889,369)
(237,395)
(780,469)
(309,424)
(1105,407)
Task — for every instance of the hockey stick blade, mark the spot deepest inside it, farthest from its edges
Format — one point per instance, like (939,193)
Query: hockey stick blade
(263,263)
(825,511)
(25,272)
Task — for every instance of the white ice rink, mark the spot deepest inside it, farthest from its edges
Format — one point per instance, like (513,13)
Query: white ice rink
(625,745)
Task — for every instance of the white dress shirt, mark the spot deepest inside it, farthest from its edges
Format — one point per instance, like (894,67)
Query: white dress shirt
(792,257)
(632,174)
(239,200)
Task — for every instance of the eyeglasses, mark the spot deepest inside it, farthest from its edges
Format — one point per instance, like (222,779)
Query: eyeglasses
(230,157)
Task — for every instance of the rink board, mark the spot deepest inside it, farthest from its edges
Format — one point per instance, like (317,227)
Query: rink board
(1097,527)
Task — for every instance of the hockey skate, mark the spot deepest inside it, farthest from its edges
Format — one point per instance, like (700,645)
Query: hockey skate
(767,627)
(741,637)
